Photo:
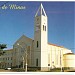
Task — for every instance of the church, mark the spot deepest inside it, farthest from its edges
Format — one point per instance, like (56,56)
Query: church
(38,52)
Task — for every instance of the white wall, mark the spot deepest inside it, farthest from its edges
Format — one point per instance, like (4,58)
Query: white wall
(69,60)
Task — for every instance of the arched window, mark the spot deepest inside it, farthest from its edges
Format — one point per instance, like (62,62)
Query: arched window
(37,44)
(37,62)
(43,27)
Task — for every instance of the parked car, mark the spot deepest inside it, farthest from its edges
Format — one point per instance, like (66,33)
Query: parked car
(7,68)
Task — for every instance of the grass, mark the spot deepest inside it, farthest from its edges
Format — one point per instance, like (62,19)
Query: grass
(55,70)
(23,70)
(35,70)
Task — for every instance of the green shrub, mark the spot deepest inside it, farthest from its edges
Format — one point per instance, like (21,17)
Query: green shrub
(18,70)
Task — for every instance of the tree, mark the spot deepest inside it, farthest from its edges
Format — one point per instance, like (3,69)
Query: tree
(2,46)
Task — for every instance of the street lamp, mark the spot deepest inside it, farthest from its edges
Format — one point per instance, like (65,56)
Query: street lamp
(23,57)
(26,60)
(23,62)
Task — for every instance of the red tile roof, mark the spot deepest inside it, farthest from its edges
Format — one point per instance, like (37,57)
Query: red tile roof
(55,45)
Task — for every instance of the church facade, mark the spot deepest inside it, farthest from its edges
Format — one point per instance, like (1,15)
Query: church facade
(37,52)
(41,54)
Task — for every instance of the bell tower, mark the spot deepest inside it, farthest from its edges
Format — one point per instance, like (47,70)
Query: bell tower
(40,39)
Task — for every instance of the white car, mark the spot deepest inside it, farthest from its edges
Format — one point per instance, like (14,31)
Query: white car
(9,68)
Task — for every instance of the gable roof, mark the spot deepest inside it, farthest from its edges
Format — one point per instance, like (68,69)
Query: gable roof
(23,37)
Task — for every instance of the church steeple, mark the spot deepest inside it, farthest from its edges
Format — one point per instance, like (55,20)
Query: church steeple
(40,39)
(40,11)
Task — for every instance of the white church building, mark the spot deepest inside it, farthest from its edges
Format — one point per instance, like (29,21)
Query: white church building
(38,52)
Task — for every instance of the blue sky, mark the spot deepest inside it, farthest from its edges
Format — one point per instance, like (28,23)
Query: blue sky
(15,23)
